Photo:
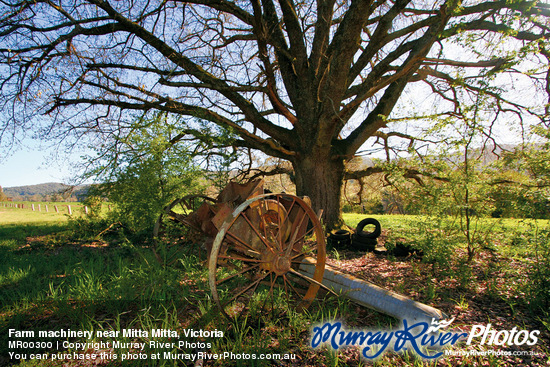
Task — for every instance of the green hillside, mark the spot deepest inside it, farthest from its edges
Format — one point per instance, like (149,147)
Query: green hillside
(51,191)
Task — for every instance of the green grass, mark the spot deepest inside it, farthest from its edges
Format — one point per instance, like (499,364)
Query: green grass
(23,216)
(508,236)
(52,282)
(52,279)
(397,222)
(40,213)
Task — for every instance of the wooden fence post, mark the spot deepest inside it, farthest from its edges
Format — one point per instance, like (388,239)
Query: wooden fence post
(69,209)
(56,209)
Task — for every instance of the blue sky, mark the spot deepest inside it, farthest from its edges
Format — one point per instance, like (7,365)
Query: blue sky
(31,166)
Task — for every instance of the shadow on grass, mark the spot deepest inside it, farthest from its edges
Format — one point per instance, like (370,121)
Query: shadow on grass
(77,316)
(17,233)
(49,282)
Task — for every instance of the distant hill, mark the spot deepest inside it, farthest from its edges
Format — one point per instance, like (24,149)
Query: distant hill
(51,191)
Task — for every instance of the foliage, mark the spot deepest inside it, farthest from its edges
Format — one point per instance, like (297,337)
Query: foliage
(90,286)
(466,183)
(522,185)
(149,175)
(538,289)
(373,206)
(94,204)
(437,237)
(307,82)
(364,194)
(515,251)
(461,180)
(458,192)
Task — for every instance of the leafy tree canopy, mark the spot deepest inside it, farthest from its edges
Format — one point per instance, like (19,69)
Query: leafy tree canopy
(309,82)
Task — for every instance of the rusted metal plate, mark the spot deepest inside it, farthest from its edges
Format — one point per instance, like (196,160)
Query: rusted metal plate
(223,211)
(235,194)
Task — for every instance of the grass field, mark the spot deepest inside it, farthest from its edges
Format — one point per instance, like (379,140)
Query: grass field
(54,279)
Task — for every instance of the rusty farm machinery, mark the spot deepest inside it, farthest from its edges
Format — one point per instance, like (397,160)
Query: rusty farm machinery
(267,243)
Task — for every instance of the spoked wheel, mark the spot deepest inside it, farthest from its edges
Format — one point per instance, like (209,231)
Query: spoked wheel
(258,251)
(175,229)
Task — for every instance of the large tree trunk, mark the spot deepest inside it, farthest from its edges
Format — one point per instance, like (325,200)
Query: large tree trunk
(320,178)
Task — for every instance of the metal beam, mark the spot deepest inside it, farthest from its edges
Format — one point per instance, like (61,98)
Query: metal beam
(372,296)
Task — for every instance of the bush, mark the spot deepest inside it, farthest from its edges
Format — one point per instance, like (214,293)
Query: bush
(94,204)
(436,237)
(143,171)
(539,273)
(373,206)
(348,208)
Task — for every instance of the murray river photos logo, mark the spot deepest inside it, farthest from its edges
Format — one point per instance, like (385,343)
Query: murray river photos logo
(426,340)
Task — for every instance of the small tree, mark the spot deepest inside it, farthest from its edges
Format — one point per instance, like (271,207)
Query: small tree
(460,173)
(149,174)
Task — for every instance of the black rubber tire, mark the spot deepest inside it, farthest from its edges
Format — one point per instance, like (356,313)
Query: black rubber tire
(374,234)
(341,234)
(362,243)
(340,239)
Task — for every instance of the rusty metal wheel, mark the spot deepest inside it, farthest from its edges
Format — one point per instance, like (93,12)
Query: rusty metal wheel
(258,252)
(175,230)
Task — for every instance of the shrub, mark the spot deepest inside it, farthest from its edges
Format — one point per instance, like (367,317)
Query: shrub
(539,272)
